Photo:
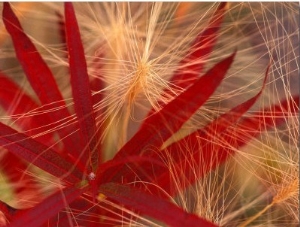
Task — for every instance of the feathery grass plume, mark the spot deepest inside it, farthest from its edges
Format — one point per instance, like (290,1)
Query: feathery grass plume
(149,114)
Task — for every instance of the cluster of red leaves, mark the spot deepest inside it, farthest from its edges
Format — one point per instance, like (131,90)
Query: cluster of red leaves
(78,164)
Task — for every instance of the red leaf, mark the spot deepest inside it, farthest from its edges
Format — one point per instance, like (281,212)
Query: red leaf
(37,71)
(16,102)
(191,66)
(175,154)
(38,154)
(7,211)
(212,153)
(162,125)
(152,206)
(159,127)
(45,210)
(81,90)
(202,140)
(13,168)
(84,213)
(38,74)
(125,161)
(265,119)
(97,83)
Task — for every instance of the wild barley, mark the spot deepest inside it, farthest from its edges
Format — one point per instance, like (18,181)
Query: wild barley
(149,114)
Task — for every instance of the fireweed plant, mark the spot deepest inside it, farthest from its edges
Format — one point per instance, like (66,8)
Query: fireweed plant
(149,114)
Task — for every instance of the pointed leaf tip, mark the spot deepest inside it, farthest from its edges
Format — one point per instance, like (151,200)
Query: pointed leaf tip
(163,124)
(39,75)
(191,66)
(159,127)
(81,89)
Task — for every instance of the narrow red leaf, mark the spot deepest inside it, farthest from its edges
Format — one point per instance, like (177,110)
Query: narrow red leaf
(97,83)
(7,211)
(265,119)
(16,102)
(37,71)
(163,124)
(84,213)
(45,210)
(40,78)
(152,206)
(209,155)
(191,66)
(12,167)
(206,136)
(81,90)
(128,161)
(38,74)
(88,214)
(175,154)
(38,154)
(159,127)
